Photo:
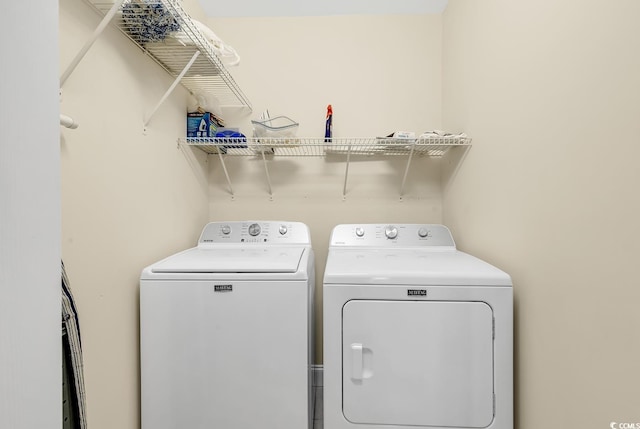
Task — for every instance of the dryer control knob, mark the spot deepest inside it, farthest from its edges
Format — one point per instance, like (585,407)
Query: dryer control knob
(254,229)
(423,232)
(225,229)
(360,232)
(391,232)
(283,230)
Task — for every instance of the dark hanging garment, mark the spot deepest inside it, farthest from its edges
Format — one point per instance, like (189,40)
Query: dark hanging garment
(73,396)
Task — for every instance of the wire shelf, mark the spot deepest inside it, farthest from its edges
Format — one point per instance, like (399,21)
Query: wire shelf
(346,148)
(291,146)
(164,31)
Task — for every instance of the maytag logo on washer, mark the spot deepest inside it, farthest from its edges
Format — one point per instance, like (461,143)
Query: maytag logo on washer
(416,292)
(223,288)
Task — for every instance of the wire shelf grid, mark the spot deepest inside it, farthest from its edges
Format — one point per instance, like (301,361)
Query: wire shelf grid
(291,146)
(163,30)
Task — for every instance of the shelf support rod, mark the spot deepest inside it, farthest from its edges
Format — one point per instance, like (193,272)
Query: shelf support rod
(224,168)
(346,174)
(68,122)
(406,170)
(172,87)
(96,33)
(266,170)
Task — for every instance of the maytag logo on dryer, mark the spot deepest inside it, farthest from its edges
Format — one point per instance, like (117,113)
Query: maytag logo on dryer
(223,288)
(416,292)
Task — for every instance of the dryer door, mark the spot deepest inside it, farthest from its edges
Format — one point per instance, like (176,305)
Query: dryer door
(419,363)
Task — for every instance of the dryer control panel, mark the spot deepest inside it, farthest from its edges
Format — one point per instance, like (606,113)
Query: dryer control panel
(392,235)
(264,232)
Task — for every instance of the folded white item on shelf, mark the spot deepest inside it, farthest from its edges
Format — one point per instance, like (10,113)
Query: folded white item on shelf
(225,52)
(205,102)
(404,135)
(439,133)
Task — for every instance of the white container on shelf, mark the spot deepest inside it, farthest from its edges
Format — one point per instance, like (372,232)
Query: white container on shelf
(280,126)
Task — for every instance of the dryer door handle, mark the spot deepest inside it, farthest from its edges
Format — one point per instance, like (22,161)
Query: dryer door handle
(356,361)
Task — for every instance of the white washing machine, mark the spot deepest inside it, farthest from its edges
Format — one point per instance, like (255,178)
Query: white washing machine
(226,330)
(416,333)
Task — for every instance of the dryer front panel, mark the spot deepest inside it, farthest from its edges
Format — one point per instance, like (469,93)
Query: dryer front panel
(418,363)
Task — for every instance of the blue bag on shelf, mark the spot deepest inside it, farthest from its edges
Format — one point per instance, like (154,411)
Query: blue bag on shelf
(231,138)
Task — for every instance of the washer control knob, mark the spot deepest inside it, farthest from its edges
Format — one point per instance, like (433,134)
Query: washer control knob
(360,231)
(391,232)
(283,229)
(254,229)
(423,232)
(225,229)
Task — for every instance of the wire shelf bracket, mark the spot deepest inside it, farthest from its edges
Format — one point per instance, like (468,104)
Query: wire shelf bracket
(346,174)
(89,43)
(171,88)
(226,174)
(406,171)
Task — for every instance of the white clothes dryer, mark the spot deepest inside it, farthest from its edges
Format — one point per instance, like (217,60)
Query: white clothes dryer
(226,330)
(416,333)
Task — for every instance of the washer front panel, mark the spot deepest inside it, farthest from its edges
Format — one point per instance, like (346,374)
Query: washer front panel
(224,355)
(418,363)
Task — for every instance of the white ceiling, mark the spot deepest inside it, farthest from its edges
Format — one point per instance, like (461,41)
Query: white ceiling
(252,8)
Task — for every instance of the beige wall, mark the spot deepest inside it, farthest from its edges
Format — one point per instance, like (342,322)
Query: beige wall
(549,192)
(380,74)
(128,199)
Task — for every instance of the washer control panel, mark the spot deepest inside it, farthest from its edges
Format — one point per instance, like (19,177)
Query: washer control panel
(265,232)
(389,235)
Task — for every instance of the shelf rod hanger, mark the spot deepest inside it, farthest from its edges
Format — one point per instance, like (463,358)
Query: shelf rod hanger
(406,170)
(266,170)
(96,33)
(172,87)
(346,174)
(68,122)
(224,168)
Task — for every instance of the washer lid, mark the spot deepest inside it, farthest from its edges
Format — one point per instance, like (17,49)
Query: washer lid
(232,260)
(410,267)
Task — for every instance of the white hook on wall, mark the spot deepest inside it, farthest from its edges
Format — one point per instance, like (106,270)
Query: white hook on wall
(68,122)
